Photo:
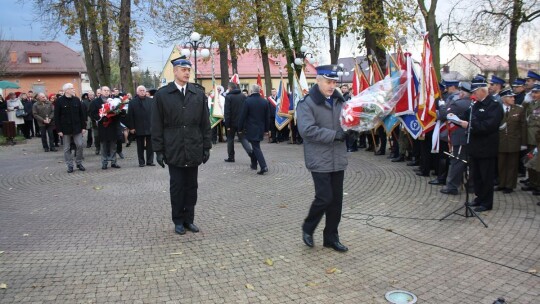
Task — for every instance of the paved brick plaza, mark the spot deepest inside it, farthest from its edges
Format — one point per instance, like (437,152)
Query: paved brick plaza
(106,236)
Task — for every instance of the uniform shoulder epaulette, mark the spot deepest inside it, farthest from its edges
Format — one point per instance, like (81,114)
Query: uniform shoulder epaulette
(198,86)
(303,98)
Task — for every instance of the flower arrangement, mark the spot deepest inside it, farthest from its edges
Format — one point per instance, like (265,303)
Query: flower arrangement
(363,111)
(111,108)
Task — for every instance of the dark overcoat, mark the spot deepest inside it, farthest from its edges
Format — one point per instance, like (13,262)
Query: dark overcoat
(69,115)
(255,117)
(485,121)
(233,106)
(139,115)
(181,125)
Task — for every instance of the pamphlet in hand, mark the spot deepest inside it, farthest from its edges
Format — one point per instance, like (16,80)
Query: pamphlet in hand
(453,118)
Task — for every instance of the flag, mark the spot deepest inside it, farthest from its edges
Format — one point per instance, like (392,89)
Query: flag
(303,83)
(376,73)
(216,112)
(259,83)
(411,124)
(440,128)
(429,90)
(281,120)
(389,123)
(360,82)
(408,102)
(283,100)
(235,79)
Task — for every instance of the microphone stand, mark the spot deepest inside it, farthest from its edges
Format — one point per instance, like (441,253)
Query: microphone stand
(469,212)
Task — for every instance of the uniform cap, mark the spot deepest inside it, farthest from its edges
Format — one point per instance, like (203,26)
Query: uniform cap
(497,80)
(328,71)
(518,82)
(507,92)
(181,62)
(533,75)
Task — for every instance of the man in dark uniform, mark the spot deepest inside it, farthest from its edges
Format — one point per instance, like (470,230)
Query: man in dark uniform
(325,155)
(532,113)
(254,122)
(518,86)
(512,139)
(484,144)
(496,84)
(182,139)
(458,138)
(234,102)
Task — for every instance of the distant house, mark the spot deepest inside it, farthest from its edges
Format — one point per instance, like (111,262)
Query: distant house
(42,66)
(249,66)
(469,65)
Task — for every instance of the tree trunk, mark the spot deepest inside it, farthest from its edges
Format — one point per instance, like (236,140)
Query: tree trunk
(97,59)
(433,33)
(335,38)
(83,32)
(373,37)
(126,79)
(223,64)
(264,49)
(106,40)
(234,56)
(512,45)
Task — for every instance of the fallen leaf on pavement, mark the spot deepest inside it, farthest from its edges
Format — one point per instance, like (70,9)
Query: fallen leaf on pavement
(311,284)
(26,234)
(332,270)
(532,271)
(172,270)
(1,252)
(269,262)
(98,187)
(282,206)
(176,253)
(3,286)
(389,229)
(249,286)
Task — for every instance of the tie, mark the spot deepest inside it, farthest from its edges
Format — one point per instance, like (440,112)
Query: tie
(507,110)
(182,91)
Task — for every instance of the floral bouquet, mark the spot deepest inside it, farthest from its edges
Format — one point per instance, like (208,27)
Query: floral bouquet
(362,112)
(111,108)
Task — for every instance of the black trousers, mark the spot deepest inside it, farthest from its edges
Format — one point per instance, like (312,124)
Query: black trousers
(442,162)
(45,131)
(483,174)
(256,146)
(37,127)
(145,143)
(28,128)
(328,201)
(89,137)
(183,193)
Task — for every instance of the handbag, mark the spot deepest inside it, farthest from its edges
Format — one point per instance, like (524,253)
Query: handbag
(20,113)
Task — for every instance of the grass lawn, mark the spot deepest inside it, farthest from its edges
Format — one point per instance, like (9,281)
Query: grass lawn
(18,139)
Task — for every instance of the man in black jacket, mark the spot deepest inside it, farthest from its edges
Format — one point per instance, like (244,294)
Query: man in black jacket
(139,118)
(181,138)
(483,144)
(70,118)
(254,121)
(234,102)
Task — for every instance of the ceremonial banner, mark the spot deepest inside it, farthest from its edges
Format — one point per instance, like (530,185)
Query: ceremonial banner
(390,122)
(283,100)
(235,79)
(429,90)
(216,110)
(408,101)
(411,124)
(281,119)
(360,81)
(259,83)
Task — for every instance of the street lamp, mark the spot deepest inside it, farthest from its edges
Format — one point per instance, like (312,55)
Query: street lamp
(342,73)
(195,44)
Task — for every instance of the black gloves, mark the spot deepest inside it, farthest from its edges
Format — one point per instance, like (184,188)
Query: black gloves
(205,156)
(161,159)
(340,136)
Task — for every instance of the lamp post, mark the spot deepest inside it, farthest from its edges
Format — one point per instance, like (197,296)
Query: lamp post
(195,44)
(342,73)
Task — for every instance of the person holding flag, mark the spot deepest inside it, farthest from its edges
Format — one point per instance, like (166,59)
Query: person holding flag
(325,155)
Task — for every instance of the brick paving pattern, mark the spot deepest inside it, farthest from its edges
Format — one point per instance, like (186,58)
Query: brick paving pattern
(105,236)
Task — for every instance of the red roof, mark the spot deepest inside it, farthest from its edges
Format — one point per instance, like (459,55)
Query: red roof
(249,65)
(56,58)
(488,62)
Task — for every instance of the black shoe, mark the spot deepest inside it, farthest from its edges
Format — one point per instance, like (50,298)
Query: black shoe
(53,149)
(81,167)
(229,160)
(524,181)
(253,166)
(481,209)
(536,192)
(507,191)
(88,145)
(97,152)
(121,155)
(151,164)
(528,188)
(361,146)
(436,182)
(337,246)
(380,152)
(191,227)
(115,166)
(46,149)
(56,145)
(128,144)
(70,169)
(308,239)
(538,204)
(449,191)
(141,165)
(422,174)
(413,163)
(474,204)
(369,149)
(499,188)
(263,171)
(179,229)
(104,167)
(399,159)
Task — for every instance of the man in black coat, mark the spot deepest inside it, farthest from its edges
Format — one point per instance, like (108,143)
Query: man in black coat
(70,118)
(108,130)
(254,122)
(483,144)
(233,106)
(139,118)
(182,139)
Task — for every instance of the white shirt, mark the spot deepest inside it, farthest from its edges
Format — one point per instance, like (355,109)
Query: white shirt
(181,88)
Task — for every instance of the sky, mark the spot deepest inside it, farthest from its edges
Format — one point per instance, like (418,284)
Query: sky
(18,22)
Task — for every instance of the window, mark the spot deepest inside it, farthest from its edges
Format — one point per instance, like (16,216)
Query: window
(34,59)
